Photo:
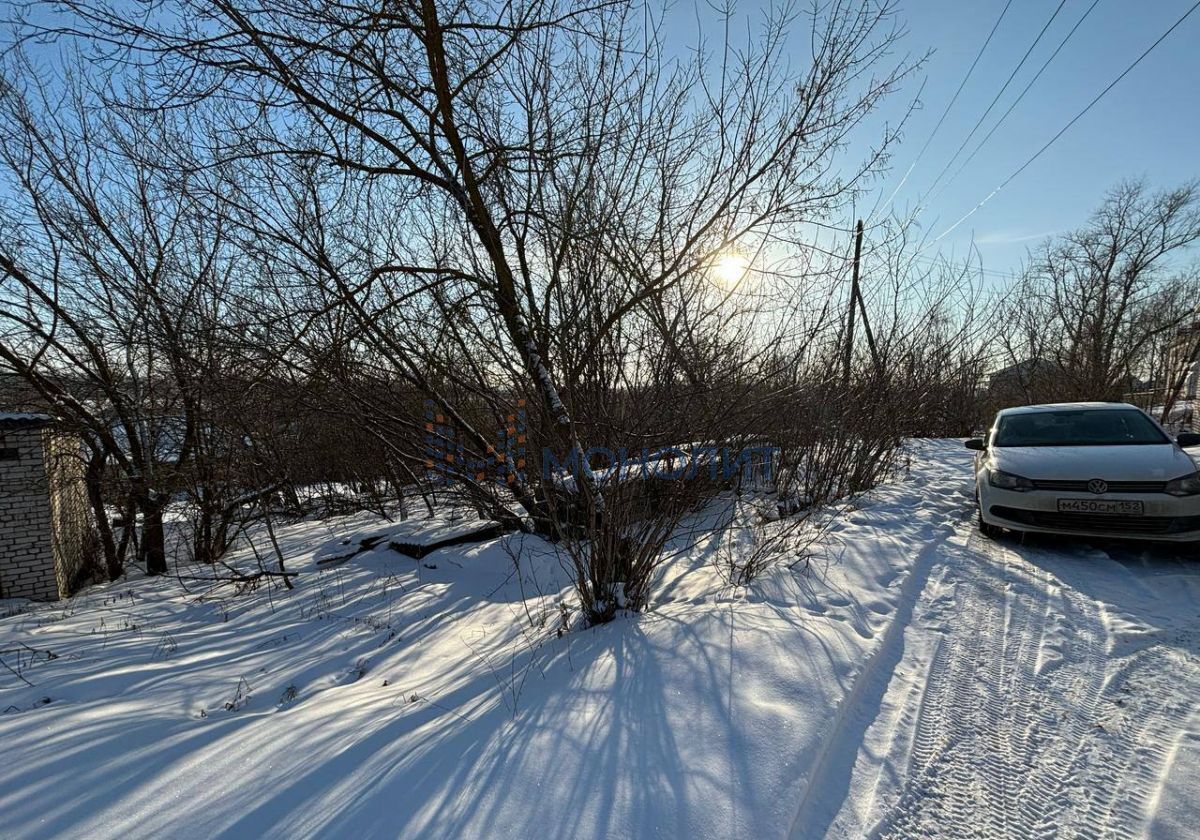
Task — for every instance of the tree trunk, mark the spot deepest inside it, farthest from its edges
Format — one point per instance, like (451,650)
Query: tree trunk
(205,546)
(114,565)
(153,540)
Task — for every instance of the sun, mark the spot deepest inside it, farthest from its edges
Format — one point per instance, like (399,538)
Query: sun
(729,270)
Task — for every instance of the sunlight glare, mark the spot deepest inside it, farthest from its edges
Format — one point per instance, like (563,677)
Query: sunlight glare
(730,269)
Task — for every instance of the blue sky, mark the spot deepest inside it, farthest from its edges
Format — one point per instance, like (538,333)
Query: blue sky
(1148,126)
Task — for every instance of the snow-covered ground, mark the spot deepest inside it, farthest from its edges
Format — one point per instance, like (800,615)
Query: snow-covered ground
(911,679)
(1043,688)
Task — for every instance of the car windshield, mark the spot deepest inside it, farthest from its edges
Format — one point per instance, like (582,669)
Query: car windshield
(1103,427)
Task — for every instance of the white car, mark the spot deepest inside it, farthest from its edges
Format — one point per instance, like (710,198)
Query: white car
(1092,469)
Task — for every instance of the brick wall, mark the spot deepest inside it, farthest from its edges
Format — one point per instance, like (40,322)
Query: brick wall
(27,567)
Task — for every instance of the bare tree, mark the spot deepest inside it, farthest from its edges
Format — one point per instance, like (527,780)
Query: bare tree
(491,210)
(117,286)
(496,199)
(1092,302)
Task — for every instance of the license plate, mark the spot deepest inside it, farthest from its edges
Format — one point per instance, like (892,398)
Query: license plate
(1101,506)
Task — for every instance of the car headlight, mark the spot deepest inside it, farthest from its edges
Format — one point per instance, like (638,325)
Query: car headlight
(1008,481)
(1188,485)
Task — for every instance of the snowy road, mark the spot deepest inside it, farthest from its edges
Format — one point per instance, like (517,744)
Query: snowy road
(1039,689)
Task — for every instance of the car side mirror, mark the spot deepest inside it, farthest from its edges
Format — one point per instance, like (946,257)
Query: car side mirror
(979,446)
(1188,439)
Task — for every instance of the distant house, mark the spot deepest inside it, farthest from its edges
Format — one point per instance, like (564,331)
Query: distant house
(1024,381)
(46,538)
(1180,363)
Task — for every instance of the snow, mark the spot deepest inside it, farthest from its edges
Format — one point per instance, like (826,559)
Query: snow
(387,696)
(23,417)
(1036,686)
(413,536)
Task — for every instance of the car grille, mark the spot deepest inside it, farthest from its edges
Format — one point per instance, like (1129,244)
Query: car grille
(1113,486)
(1098,522)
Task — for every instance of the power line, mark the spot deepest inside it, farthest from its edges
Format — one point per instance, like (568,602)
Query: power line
(998,274)
(949,105)
(996,98)
(1067,127)
(1016,101)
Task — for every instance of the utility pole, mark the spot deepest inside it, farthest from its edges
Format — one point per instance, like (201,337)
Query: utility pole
(862,310)
(848,352)
(856,300)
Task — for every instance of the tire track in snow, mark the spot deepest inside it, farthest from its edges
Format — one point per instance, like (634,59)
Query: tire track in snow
(974,658)
(1062,727)
(834,764)
(1020,724)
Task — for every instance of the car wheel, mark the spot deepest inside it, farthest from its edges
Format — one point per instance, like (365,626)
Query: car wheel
(987,530)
